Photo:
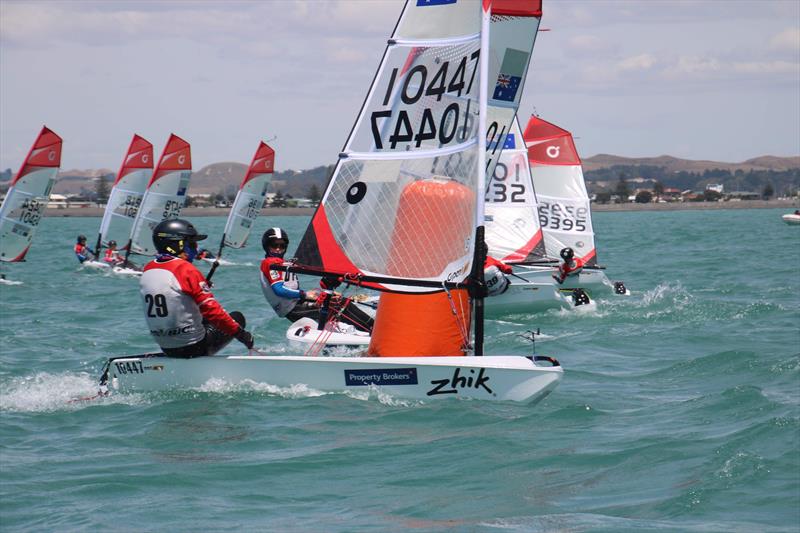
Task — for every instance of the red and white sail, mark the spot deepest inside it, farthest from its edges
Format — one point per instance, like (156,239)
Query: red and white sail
(513,234)
(126,195)
(563,203)
(405,196)
(26,199)
(165,194)
(250,197)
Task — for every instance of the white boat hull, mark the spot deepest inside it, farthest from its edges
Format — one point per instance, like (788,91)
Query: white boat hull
(791,218)
(305,332)
(528,296)
(100,265)
(500,378)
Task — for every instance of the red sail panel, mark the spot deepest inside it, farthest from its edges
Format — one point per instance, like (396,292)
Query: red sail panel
(45,152)
(177,156)
(517,8)
(263,163)
(140,155)
(334,259)
(523,253)
(549,144)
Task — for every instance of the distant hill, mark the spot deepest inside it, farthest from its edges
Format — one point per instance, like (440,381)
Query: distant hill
(674,164)
(751,174)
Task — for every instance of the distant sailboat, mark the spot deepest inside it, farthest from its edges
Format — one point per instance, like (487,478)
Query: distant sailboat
(513,233)
(127,193)
(563,207)
(124,201)
(248,203)
(403,212)
(164,196)
(27,197)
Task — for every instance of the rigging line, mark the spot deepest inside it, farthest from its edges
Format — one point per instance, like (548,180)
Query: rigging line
(459,322)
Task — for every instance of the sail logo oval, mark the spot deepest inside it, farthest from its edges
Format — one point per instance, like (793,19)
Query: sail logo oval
(52,155)
(553,151)
(145,158)
(181,159)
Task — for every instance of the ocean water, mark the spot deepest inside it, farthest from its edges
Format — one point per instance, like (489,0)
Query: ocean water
(678,411)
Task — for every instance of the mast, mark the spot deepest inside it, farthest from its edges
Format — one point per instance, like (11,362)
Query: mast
(479,291)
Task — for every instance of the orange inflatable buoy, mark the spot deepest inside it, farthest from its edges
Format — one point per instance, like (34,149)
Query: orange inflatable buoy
(434,223)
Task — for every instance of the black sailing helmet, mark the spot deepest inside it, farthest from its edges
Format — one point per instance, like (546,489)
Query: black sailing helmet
(81,239)
(171,236)
(272,235)
(567,254)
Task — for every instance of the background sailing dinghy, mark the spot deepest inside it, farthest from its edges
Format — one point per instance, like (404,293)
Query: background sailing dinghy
(27,197)
(123,203)
(164,196)
(563,207)
(513,234)
(247,204)
(792,218)
(402,213)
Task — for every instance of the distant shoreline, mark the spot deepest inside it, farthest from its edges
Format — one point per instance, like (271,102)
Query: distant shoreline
(192,212)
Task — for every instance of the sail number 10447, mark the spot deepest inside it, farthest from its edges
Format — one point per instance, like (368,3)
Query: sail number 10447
(422,125)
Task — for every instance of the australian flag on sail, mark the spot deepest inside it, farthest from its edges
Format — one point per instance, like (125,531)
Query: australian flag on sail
(512,69)
(509,143)
(423,3)
(506,88)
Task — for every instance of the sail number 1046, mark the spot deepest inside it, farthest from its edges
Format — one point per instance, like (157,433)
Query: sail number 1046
(422,125)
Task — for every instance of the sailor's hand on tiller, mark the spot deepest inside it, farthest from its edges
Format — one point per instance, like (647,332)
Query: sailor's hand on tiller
(245,338)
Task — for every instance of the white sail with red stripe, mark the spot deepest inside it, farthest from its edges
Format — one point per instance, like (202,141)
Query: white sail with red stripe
(563,203)
(27,197)
(404,201)
(513,234)
(250,197)
(127,193)
(165,194)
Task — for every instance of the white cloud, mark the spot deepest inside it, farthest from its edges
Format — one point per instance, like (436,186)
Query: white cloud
(787,40)
(639,62)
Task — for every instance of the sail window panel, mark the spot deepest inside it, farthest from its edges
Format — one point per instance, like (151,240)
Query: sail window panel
(511,41)
(163,200)
(123,204)
(438,19)
(559,181)
(427,200)
(564,209)
(424,98)
(245,210)
(22,211)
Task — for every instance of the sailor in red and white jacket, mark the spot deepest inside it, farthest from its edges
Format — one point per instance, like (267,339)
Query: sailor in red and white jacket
(571,266)
(183,316)
(112,256)
(282,289)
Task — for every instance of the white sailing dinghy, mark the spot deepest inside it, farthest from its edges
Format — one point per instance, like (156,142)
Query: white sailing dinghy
(248,203)
(792,218)
(27,197)
(125,199)
(563,207)
(164,196)
(513,233)
(416,158)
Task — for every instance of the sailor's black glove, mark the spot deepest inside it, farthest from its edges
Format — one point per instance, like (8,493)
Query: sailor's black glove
(245,338)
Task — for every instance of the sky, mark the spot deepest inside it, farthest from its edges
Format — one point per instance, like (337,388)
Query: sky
(716,80)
